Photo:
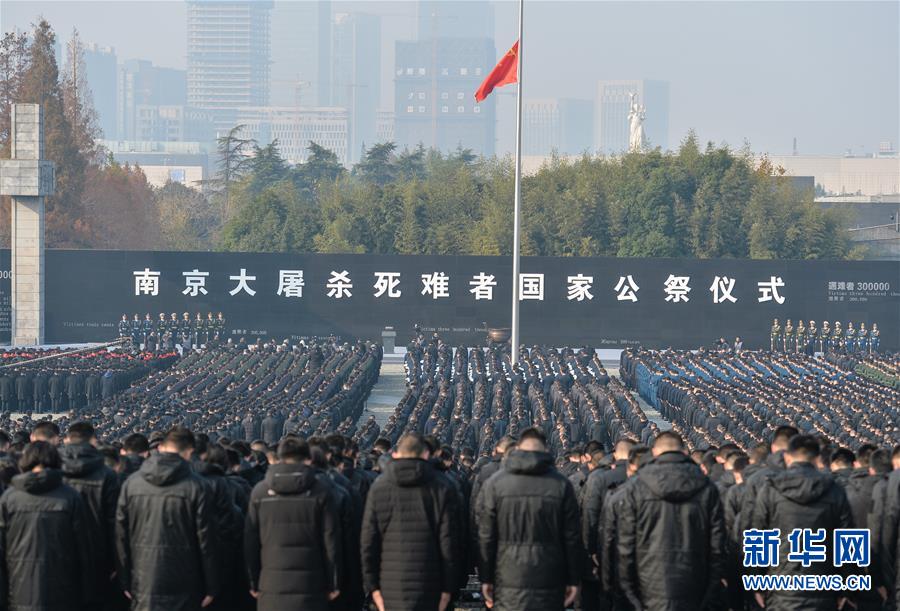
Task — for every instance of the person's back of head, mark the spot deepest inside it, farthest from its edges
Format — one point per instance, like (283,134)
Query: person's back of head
(782,437)
(880,462)
(801,449)
(412,445)
(842,458)
(532,439)
(505,443)
(667,441)
(45,431)
(382,445)
(863,455)
(638,456)
(759,454)
(178,440)
(623,447)
(39,455)
(80,432)
(294,450)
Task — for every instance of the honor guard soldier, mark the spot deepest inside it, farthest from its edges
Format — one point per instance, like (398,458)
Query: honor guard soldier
(813,335)
(185,330)
(788,335)
(862,338)
(147,331)
(850,338)
(198,330)
(209,329)
(825,337)
(174,330)
(162,332)
(801,337)
(219,328)
(874,338)
(775,334)
(136,335)
(837,337)
(124,327)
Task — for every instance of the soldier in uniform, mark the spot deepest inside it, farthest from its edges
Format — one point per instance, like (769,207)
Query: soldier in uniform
(220,328)
(174,328)
(850,335)
(198,330)
(862,338)
(210,328)
(801,337)
(788,336)
(837,337)
(875,336)
(825,337)
(813,335)
(124,327)
(775,334)
(136,336)
(162,332)
(147,329)
(186,331)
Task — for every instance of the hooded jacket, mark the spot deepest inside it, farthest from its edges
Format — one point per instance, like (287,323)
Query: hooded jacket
(801,497)
(292,540)
(529,535)
(671,539)
(85,471)
(47,558)
(165,537)
(408,549)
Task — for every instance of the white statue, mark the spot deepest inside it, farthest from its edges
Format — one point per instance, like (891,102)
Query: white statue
(636,118)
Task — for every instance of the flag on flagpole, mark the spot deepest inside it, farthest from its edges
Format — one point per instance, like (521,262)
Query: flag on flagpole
(505,72)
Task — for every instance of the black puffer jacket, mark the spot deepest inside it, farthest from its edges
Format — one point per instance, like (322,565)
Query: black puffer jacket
(671,538)
(599,483)
(165,537)
(292,540)
(229,524)
(408,548)
(46,553)
(85,471)
(801,497)
(529,538)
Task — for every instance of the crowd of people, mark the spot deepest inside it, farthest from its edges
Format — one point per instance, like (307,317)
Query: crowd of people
(167,332)
(242,477)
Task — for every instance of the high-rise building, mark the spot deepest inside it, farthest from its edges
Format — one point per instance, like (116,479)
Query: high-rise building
(613,105)
(434,102)
(172,124)
(454,19)
(227,55)
(356,77)
(301,53)
(102,73)
(562,125)
(384,127)
(295,128)
(142,84)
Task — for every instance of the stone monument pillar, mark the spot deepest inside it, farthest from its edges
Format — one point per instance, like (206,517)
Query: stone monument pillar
(27,177)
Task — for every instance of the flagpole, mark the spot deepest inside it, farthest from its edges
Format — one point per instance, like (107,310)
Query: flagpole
(517,207)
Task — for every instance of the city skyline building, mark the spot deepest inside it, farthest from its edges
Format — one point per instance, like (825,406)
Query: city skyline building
(228,55)
(102,70)
(141,84)
(356,78)
(295,128)
(611,115)
(562,125)
(301,53)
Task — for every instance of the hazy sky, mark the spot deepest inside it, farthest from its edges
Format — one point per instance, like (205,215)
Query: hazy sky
(825,72)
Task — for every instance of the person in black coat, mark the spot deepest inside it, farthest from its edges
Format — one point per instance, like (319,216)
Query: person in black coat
(292,536)
(85,471)
(409,554)
(165,535)
(801,497)
(529,536)
(46,552)
(671,539)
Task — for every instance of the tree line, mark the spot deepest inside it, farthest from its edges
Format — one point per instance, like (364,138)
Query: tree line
(704,202)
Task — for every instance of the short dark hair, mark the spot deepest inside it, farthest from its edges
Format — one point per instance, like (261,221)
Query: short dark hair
(803,446)
(216,455)
(80,432)
(668,439)
(638,455)
(843,456)
(136,444)
(293,449)
(864,453)
(785,433)
(532,432)
(740,463)
(759,453)
(45,430)
(880,462)
(179,437)
(412,443)
(40,453)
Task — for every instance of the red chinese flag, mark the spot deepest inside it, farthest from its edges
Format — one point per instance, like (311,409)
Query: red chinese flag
(505,72)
